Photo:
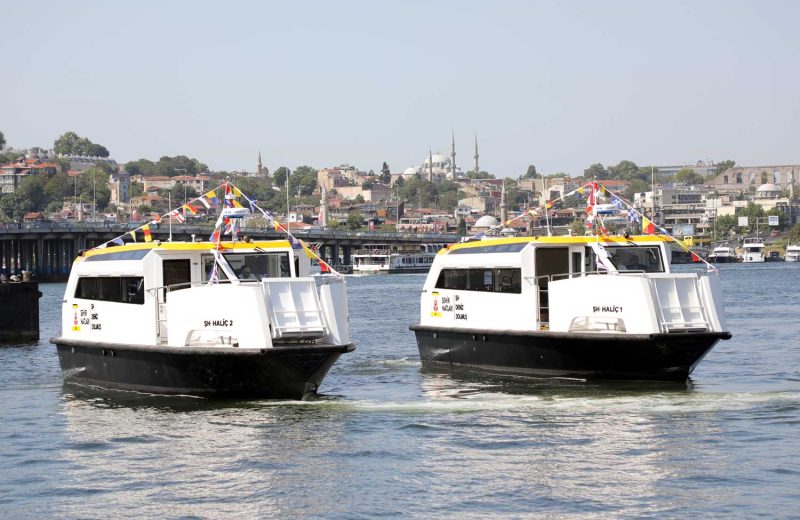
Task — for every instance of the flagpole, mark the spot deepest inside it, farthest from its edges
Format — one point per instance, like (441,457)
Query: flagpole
(169,204)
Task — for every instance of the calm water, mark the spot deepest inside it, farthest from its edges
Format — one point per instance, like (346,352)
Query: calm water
(387,440)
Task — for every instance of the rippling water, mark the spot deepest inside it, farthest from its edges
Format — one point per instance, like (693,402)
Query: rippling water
(386,439)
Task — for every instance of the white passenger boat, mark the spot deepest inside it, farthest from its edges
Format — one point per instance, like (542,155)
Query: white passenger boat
(573,307)
(792,253)
(394,258)
(217,318)
(723,255)
(753,250)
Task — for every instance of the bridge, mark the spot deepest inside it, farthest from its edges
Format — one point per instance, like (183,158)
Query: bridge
(47,249)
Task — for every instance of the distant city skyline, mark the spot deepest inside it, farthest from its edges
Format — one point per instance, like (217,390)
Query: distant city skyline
(558,85)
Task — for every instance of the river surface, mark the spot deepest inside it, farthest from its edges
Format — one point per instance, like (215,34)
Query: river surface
(385,439)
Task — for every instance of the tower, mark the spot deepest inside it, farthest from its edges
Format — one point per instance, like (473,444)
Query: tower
(503,205)
(453,154)
(430,165)
(324,207)
(259,166)
(475,166)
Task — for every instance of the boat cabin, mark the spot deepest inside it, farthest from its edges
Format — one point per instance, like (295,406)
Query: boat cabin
(567,284)
(246,295)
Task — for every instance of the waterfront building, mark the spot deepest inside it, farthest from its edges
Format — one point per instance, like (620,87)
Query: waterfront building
(704,168)
(12,174)
(740,180)
(197,182)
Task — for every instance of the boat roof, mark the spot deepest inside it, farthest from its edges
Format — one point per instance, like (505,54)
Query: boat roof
(185,246)
(515,244)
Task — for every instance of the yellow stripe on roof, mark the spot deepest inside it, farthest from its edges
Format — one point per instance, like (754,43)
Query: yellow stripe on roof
(574,240)
(189,246)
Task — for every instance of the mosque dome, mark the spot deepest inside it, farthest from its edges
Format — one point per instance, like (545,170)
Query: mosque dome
(764,188)
(438,158)
(411,170)
(486,221)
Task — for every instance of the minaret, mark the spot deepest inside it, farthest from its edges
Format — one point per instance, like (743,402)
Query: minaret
(475,166)
(324,208)
(259,166)
(453,155)
(430,165)
(503,205)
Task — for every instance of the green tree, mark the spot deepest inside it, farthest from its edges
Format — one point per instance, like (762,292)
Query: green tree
(93,186)
(280,176)
(70,143)
(136,189)
(636,186)
(722,166)
(462,226)
(386,175)
(794,234)
(31,193)
(355,220)
(480,175)
(303,181)
(178,165)
(531,173)
(576,228)
(367,184)
(58,187)
(178,194)
(723,225)
(3,141)
(688,176)
(624,170)
(595,171)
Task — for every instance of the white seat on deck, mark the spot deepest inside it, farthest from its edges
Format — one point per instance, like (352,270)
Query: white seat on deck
(294,309)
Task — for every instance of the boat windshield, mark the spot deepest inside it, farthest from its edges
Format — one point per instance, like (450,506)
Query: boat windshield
(251,266)
(636,258)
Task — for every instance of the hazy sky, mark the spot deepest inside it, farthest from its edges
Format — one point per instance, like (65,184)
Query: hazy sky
(557,84)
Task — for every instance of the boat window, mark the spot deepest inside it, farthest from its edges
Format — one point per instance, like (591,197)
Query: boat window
(119,289)
(505,280)
(636,258)
(137,254)
(177,274)
(255,266)
(502,248)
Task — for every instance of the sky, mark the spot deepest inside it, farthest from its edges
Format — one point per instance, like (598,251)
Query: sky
(557,84)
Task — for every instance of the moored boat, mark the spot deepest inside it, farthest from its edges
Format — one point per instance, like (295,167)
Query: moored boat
(723,254)
(572,307)
(397,258)
(792,253)
(753,250)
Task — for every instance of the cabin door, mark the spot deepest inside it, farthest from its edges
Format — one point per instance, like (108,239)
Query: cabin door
(550,263)
(176,275)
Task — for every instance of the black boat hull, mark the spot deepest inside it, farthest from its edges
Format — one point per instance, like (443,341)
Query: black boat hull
(282,372)
(659,357)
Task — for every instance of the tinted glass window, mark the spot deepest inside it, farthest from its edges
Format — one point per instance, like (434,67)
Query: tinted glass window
(119,289)
(505,280)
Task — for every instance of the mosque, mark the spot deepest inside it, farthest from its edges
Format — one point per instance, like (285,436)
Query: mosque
(438,166)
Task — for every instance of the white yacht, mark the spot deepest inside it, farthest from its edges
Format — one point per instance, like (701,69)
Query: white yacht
(241,319)
(792,253)
(753,250)
(395,258)
(722,255)
(573,307)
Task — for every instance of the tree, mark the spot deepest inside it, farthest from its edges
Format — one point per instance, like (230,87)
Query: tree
(58,187)
(71,143)
(794,234)
(688,176)
(480,175)
(531,173)
(462,226)
(624,170)
(595,171)
(636,186)
(576,228)
(355,220)
(723,166)
(367,184)
(3,141)
(723,225)
(386,175)
(280,176)
(764,177)
(136,189)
